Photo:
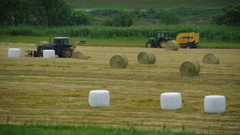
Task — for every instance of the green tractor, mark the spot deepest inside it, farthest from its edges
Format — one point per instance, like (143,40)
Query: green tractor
(159,41)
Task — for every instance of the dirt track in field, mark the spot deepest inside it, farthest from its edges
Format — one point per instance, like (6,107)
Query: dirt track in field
(55,91)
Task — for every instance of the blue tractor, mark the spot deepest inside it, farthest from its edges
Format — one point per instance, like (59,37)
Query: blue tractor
(60,46)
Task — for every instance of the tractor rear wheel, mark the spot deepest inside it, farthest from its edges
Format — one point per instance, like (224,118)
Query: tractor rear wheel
(162,43)
(66,52)
(149,45)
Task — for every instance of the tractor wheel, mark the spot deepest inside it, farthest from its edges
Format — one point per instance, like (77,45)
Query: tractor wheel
(149,45)
(66,52)
(162,43)
(194,45)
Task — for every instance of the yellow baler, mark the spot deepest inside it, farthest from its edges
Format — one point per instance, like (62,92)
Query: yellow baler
(188,39)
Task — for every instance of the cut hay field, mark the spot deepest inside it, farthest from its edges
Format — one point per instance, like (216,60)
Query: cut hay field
(48,91)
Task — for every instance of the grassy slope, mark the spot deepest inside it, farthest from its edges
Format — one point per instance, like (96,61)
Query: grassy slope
(145,4)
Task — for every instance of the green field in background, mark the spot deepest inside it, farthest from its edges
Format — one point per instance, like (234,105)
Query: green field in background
(124,42)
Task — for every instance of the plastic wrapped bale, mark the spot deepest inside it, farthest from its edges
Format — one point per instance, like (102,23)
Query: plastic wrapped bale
(119,61)
(146,58)
(48,54)
(14,52)
(172,45)
(99,98)
(171,101)
(189,68)
(210,59)
(214,104)
(80,55)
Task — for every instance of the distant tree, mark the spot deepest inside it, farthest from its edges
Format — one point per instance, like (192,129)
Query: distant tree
(14,12)
(142,14)
(137,10)
(3,11)
(231,16)
(79,18)
(151,13)
(55,13)
(169,18)
(151,10)
(159,14)
(51,12)
(123,19)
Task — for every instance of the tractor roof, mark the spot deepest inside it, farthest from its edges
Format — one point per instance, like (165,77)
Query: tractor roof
(60,37)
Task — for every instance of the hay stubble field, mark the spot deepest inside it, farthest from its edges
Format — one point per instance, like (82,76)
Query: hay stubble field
(55,91)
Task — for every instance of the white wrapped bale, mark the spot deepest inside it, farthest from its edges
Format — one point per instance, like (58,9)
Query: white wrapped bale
(214,104)
(14,52)
(48,54)
(171,101)
(99,98)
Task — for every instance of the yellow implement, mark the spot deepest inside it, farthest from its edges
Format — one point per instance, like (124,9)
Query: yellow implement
(188,40)
(75,43)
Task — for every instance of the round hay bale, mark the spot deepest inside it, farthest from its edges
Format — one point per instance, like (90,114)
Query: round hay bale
(189,68)
(79,55)
(119,61)
(146,58)
(42,43)
(214,104)
(172,45)
(210,59)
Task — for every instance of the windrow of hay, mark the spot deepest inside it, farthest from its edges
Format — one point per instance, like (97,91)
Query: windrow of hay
(80,55)
(172,45)
(146,58)
(42,43)
(119,61)
(189,68)
(210,59)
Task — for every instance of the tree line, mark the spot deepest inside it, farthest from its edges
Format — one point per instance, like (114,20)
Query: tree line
(59,13)
(40,13)
(231,16)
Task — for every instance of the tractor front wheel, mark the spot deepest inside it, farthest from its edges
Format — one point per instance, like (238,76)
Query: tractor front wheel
(66,52)
(149,45)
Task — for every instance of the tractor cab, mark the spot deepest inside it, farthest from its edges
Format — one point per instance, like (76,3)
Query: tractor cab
(58,42)
(161,35)
(159,41)
(62,47)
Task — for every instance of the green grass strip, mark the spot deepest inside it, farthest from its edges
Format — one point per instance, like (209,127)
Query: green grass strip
(6,129)
(119,42)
